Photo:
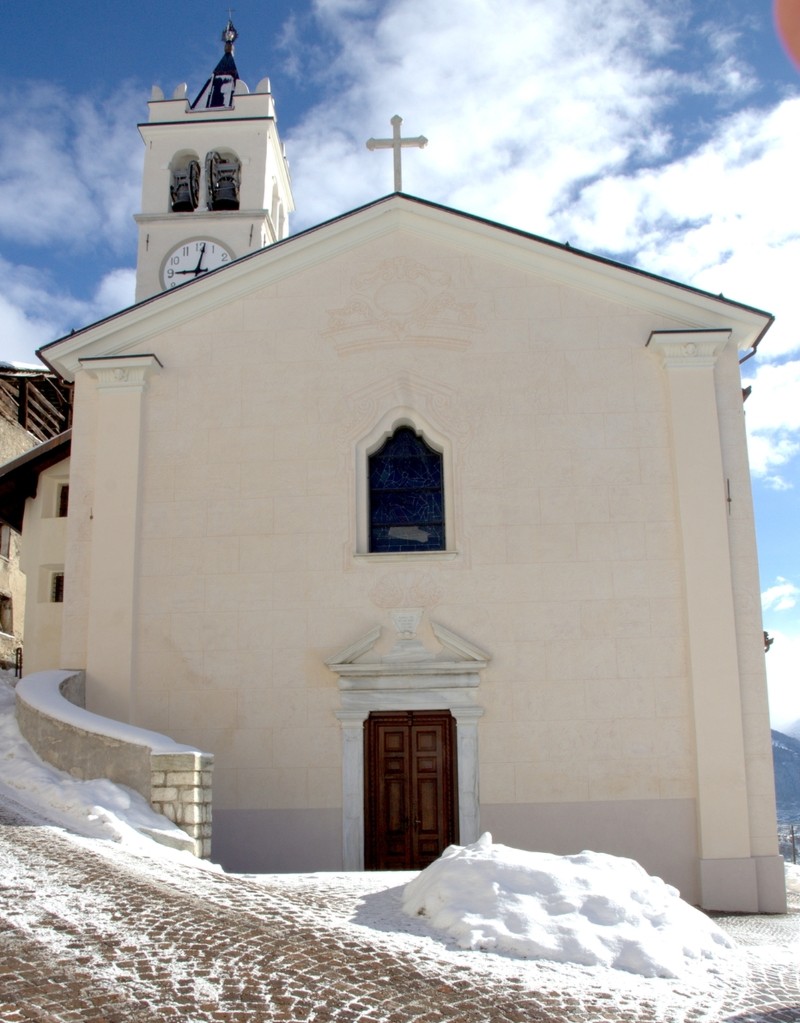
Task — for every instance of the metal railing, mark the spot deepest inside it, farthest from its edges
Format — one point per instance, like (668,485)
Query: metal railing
(789,841)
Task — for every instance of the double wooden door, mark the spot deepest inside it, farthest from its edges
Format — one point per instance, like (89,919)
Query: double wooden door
(411,814)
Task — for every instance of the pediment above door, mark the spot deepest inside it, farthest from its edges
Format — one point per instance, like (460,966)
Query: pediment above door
(441,655)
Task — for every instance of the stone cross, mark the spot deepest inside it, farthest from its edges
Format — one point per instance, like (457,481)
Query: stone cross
(396,143)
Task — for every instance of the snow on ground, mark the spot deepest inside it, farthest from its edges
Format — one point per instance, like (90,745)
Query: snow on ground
(96,809)
(592,909)
(597,913)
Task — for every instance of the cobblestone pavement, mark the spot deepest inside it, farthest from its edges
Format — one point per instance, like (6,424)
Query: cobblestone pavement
(108,937)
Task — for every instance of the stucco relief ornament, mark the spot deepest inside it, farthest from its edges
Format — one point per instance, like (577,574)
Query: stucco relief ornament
(125,373)
(448,411)
(407,648)
(694,349)
(402,301)
(358,413)
(439,403)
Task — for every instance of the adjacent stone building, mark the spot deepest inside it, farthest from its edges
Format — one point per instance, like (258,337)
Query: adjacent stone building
(34,406)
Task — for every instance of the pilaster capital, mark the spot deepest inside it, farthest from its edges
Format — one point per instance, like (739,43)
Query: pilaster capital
(688,349)
(467,715)
(122,372)
(353,718)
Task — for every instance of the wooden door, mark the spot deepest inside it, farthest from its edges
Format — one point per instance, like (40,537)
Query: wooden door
(410,788)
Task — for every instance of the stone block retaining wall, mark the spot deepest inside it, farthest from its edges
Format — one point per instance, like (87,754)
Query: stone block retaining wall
(176,780)
(180,788)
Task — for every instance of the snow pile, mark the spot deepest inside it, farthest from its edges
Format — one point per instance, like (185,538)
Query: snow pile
(592,909)
(98,808)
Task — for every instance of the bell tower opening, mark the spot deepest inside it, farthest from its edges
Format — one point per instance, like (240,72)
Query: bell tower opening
(184,187)
(223,178)
(216,179)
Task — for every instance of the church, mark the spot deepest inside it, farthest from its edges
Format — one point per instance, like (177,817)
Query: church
(422,525)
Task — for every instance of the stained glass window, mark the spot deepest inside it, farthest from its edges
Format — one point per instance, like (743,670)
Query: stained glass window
(406,495)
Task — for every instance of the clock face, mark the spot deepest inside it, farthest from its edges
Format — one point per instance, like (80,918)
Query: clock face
(191,260)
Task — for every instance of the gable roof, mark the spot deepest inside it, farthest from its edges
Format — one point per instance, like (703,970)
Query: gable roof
(130,329)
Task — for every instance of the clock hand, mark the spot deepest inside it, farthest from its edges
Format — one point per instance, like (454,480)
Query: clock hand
(199,261)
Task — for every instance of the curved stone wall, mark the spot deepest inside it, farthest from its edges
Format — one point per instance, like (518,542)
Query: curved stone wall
(175,779)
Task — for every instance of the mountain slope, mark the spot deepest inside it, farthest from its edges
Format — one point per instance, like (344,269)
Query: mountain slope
(786,755)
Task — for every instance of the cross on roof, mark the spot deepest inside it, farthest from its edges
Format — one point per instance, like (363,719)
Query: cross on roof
(396,143)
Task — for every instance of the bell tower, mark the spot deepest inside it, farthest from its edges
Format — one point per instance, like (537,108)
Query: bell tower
(216,180)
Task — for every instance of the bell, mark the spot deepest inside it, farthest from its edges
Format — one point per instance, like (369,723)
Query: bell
(184,190)
(223,182)
(226,188)
(180,194)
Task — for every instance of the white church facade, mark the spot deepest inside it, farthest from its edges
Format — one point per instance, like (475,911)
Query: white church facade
(423,526)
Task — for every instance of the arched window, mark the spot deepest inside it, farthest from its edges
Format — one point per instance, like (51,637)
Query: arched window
(223,177)
(406,495)
(184,188)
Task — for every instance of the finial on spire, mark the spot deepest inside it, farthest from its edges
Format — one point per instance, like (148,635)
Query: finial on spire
(229,33)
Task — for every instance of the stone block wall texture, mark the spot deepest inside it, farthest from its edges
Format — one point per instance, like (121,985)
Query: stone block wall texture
(181,789)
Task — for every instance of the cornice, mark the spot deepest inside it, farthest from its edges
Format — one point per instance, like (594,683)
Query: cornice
(121,373)
(688,349)
(200,216)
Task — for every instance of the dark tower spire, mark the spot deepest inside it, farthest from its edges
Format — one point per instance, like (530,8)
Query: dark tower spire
(218,90)
(227,66)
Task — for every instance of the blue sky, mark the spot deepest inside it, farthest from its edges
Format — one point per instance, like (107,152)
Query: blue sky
(665,136)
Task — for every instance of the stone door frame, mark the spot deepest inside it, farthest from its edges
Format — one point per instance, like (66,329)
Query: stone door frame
(396,684)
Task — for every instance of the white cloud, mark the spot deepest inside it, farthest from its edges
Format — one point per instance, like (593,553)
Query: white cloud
(505,86)
(783,678)
(70,181)
(782,596)
(70,169)
(780,604)
(33,311)
(516,106)
(116,291)
(772,415)
(716,218)
(777,483)
(21,334)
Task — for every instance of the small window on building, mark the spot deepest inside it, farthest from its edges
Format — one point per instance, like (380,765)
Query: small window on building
(5,541)
(6,615)
(406,495)
(63,501)
(57,588)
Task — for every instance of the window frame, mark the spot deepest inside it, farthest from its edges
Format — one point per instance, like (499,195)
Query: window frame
(372,442)
(392,494)
(6,614)
(62,500)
